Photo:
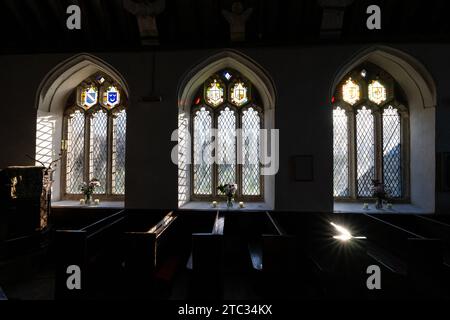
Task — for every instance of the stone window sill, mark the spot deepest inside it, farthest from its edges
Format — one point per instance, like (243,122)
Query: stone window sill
(101,205)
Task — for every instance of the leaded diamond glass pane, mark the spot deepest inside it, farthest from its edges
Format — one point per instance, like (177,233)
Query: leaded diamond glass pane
(251,182)
(226,147)
(98,153)
(118,152)
(392,169)
(365,152)
(183,159)
(75,152)
(202,152)
(340,148)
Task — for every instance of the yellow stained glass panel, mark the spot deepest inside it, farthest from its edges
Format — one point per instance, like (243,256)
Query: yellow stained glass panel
(351,92)
(214,94)
(377,92)
(239,94)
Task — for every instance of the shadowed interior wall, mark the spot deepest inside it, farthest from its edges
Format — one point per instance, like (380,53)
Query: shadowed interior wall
(302,77)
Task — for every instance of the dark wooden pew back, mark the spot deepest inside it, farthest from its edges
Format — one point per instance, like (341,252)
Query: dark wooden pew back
(96,247)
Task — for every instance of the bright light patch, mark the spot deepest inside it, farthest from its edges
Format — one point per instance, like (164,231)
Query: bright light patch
(345,235)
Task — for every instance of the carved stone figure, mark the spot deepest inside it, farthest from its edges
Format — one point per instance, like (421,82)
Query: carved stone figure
(237,19)
(146,12)
(333,17)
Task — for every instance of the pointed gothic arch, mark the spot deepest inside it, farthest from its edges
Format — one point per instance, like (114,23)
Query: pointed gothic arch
(188,88)
(51,98)
(420,92)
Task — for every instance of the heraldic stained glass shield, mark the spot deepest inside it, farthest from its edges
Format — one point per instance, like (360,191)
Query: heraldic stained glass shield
(214,94)
(89,97)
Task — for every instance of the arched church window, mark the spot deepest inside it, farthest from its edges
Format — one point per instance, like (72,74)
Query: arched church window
(370,128)
(228,106)
(95,139)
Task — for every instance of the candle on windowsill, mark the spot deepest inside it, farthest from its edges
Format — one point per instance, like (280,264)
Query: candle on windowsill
(214,204)
(241,205)
(97,202)
(389,206)
(366,206)
(82,202)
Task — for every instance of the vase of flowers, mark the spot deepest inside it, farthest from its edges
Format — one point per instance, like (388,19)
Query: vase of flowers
(229,190)
(380,193)
(88,190)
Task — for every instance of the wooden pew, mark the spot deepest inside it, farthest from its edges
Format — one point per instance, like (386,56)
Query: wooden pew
(146,257)
(206,262)
(273,254)
(95,249)
(434,257)
(431,227)
(415,259)
(155,256)
(330,268)
(2,295)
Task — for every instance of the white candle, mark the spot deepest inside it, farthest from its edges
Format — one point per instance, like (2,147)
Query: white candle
(389,206)
(241,204)
(97,201)
(366,206)
(214,204)
(82,202)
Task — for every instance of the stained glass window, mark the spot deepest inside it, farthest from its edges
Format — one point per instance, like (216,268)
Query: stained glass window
(118,152)
(99,150)
(214,94)
(341,160)
(392,164)
(89,97)
(365,151)
(251,174)
(228,135)
(226,144)
(239,94)
(111,97)
(202,152)
(95,131)
(368,136)
(377,92)
(227,75)
(351,92)
(75,152)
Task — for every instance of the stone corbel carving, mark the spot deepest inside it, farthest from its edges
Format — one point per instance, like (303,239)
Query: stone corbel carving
(237,19)
(333,17)
(146,12)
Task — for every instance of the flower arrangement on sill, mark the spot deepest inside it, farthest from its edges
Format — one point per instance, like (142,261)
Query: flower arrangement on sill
(88,189)
(229,190)
(380,192)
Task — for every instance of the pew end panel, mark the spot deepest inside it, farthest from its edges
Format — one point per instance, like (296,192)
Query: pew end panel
(70,250)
